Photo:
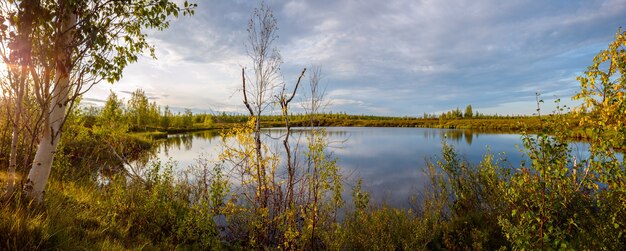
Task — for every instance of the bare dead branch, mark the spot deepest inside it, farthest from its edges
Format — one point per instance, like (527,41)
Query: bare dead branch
(245,96)
(296,88)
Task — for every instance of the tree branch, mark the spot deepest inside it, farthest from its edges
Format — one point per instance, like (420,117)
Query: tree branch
(245,96)
(296,88)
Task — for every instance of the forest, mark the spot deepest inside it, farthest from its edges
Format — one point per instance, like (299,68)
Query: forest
(69,182)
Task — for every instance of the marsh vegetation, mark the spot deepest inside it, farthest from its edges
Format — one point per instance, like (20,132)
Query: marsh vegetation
(77,178)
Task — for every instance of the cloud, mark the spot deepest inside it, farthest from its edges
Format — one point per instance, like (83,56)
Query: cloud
(400,57)
(94,100)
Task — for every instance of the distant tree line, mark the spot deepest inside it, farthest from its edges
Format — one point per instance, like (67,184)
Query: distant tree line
(139,114)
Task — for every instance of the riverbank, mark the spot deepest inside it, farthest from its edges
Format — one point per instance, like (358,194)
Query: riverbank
(495,124)
(513,124)
(491,124)
(505,124)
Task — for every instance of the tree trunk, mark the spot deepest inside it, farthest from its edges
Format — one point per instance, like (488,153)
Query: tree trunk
(284,103)
(259,160)
(42,164)
(19,86)
(14,140)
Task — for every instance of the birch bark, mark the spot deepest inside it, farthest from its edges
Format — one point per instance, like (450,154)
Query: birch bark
(15,137)
(42,164)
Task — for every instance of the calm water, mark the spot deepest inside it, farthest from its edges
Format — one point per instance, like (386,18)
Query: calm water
(391,161)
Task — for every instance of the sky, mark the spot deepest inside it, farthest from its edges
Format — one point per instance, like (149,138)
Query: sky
(393,57)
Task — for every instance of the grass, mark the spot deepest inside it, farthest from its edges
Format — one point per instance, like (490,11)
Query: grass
(67,220)
(80,215)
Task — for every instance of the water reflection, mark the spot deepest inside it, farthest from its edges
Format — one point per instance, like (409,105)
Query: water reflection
(184,141)
(302,131)
(451,134)
(391,161)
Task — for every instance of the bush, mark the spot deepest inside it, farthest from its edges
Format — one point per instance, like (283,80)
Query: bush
(160,210)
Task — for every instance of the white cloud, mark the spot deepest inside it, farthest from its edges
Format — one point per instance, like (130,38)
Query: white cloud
(398,57)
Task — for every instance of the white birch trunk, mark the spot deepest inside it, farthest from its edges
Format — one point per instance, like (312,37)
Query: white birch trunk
(14,141)
(19,88)
(12,163)
(42,164)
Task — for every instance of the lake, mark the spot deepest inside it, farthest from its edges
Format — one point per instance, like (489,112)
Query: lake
(391,161)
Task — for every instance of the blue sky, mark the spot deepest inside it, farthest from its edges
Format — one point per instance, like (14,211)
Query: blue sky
(394,57)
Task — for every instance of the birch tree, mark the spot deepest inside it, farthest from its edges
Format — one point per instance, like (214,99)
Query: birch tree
(76,44)
(257,93)
(15,50)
